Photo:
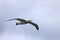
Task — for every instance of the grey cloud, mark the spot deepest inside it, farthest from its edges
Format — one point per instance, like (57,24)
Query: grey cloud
(41,12)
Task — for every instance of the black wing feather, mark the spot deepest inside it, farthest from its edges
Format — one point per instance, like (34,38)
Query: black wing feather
(16,19)
(36,26)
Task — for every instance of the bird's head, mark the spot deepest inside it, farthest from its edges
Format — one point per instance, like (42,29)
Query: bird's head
(29,20)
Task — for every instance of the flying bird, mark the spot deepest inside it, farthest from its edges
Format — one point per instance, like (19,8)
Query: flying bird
(24,21)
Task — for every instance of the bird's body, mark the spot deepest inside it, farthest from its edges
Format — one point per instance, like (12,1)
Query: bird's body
(23,21)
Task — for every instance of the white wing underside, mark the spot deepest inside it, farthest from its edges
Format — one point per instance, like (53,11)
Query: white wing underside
(20,22)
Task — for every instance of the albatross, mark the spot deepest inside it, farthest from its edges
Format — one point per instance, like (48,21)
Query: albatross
(24,21)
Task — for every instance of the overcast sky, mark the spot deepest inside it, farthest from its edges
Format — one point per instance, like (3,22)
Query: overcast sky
(46,13)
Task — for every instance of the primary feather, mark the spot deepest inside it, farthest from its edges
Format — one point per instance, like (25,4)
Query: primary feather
(34,24)
(16,19)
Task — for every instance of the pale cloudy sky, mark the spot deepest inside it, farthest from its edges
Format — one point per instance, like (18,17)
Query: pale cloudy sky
(43,12)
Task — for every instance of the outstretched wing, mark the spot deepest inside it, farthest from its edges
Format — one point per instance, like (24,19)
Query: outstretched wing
(36,26)
(16,19)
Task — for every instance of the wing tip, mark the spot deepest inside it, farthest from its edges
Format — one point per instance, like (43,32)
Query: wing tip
(37,29)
